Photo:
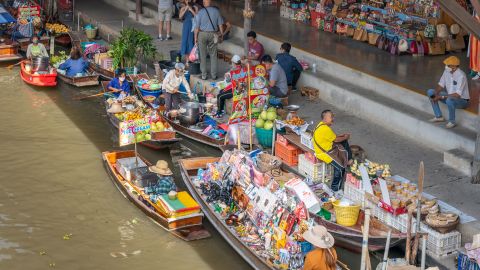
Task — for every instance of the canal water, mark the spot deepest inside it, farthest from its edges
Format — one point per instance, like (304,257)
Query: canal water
(58,207)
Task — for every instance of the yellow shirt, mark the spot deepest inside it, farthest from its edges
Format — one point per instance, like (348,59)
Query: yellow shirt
(323,136)
(315,260)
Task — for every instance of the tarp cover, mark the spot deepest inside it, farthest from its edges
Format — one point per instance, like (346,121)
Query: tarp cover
(5,17)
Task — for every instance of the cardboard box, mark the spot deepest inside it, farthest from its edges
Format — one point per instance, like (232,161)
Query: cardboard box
(126,167)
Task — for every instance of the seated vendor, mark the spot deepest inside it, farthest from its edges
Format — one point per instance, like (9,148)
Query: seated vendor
(277,86)
(255,48)
(119,85)
(332,149)
(227,93)
(36,49)
(75,64)
(165,183)
(324,256)
(171,85)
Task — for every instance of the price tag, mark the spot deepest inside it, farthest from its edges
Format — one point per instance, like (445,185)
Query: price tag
(367,186)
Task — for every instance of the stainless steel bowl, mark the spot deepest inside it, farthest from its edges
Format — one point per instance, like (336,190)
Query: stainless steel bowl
(292,108)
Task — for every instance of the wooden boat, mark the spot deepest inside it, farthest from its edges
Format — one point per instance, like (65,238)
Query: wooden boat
(105,74)
(187,228)
(189,168)
(134,79)
(82,81)
(44,80)
(63,40)
(152,144)
(9,52)
(24,42)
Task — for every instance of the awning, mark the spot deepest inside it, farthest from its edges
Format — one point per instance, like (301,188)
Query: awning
(5,16)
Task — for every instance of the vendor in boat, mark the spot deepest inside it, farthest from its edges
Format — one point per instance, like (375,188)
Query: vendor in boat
(227,93)
(36,49)
(332,149)
(324,256)
(75,64)
(171,86)
(165,182)
(119,85)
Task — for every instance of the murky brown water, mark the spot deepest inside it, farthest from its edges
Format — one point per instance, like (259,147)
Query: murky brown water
(53,184)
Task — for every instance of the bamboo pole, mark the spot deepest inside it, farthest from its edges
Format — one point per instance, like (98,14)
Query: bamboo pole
(239,145)
(424,249)
(387,249)
(408,244)
(366,229)
(249,106)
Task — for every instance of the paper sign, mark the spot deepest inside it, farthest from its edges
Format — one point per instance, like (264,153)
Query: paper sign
(367,186)
(134,131)
(384,189)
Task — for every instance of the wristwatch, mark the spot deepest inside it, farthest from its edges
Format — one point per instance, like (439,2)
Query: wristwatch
(444,97)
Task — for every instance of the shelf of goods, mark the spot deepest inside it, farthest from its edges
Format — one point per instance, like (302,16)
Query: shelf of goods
(416,27)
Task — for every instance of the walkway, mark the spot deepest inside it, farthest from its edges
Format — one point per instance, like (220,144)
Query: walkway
(414,73)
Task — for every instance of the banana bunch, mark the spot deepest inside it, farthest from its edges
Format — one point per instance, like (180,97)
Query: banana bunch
(132,115)
(56,28)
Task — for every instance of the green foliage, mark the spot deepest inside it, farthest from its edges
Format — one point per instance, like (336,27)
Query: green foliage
(132,46)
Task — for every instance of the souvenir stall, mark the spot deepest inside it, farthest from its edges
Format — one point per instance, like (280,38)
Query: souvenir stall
(417,27)
(8,47)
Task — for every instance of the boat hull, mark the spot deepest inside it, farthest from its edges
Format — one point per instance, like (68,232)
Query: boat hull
(187,228)
(43,80)
(89,80)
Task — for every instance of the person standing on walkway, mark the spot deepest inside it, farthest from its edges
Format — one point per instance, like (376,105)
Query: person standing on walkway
(165,13)
(187,13)
(332,149)
(290,65)
(277,85)
(452,89)
(171,86)
(255,48)
(208,33)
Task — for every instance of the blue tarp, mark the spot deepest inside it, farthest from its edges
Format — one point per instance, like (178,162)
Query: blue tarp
(5,16)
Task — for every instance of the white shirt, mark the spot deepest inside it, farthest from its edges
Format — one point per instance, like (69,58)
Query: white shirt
(455,83)
(172,82)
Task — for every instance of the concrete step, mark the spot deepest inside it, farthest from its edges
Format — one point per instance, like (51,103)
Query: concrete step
(394,115)
(459,160)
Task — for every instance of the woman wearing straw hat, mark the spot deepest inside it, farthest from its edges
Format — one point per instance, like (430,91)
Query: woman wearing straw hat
(324,256)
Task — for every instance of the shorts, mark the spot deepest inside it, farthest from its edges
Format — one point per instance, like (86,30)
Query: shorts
(165,14)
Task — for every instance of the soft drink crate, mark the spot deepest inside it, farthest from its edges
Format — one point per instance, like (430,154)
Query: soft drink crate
(315,171)
(353,193)
(306,139)
(288,154)
(441,244)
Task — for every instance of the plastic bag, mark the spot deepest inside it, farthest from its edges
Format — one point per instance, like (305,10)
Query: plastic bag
(193,56)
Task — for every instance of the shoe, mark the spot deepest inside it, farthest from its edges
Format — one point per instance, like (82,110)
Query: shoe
(450,125)
(169,38)
(476,77)
(160,38)
(219,115)
(294,89)
(214,78)
(437,119)
(204,78)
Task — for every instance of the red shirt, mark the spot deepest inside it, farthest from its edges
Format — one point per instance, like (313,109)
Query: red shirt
(254,49)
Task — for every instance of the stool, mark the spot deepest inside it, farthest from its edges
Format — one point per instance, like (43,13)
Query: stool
(229,106)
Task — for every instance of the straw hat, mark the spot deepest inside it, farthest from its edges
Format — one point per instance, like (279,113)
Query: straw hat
(161,168)
(116,108)
(452,61)
(476,242)
(319,237)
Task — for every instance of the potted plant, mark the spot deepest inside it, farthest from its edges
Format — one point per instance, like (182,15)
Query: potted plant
(132,46)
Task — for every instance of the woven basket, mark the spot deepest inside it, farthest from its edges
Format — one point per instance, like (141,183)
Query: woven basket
(91,33)
(267,162)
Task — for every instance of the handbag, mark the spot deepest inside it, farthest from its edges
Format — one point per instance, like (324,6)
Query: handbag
(429,31)
(393,46)
(403,45)
(436,48)
(342,28)
(372,38)
(216,36)
(455,44)
(329,25)
(350,31)
(360,34)
(337,153)
(442,31)
(193,56)
(381,41)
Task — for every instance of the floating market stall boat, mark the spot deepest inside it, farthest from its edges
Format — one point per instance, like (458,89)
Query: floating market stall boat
(24,42)
(148,93)
(80,81)
(187,227)
(38,79)
(9,51)
(160,139)
(237,226)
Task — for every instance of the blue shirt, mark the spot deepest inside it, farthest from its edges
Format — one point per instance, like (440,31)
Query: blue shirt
(288,63)
(115,83)
(72,67)
(202,22)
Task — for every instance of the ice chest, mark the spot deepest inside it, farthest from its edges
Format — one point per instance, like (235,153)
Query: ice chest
(126,167)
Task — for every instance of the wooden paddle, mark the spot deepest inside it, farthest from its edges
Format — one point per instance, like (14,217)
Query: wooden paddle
(95,95)
(419,214)
(342,265)
(408,245)
(13,65)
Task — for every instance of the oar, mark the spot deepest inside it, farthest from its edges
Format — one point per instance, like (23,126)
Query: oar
(95,95)
(13,65)
(419,214)
(344,266)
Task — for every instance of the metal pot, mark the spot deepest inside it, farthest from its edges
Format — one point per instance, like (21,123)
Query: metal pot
(40,64)
(189,113)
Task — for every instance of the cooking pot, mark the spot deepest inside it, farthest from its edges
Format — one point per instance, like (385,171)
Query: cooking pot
(189,113)
(40,64)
